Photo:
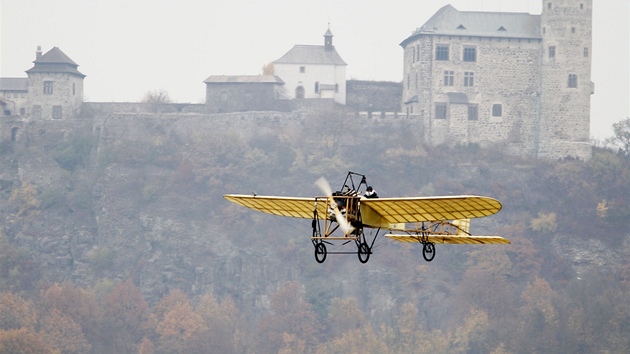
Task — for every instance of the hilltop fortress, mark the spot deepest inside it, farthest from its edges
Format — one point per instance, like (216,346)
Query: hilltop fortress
(516,80)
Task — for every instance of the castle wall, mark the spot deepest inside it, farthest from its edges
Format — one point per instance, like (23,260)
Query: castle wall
(375,96)
(242,96)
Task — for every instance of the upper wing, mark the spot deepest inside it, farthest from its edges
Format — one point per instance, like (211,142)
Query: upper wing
(382,211)
(284,206)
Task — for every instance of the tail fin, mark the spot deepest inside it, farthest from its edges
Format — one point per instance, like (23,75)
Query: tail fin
(463,227)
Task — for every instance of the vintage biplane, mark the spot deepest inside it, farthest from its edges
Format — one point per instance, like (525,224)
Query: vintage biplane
(346,215)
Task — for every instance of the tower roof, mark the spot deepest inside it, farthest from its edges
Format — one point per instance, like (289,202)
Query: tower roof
(54,61)
(450,21)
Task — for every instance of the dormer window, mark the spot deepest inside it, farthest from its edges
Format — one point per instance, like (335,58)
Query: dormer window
(501,29)
(461,27)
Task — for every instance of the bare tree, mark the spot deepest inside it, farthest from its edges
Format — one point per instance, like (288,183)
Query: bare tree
(156,99)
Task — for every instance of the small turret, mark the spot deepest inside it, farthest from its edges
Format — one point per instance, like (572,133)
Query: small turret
(328,39)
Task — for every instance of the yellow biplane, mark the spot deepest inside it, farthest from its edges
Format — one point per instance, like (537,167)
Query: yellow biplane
(344,215)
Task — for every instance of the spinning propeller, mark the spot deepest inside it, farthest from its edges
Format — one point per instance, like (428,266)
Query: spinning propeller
(323,185)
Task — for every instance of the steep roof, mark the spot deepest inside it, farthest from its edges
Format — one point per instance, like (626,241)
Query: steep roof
(55,61)
(311,54)
(13,84)
(450,21)
(262,79)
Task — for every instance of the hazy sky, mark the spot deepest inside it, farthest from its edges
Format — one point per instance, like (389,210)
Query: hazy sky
(129,47)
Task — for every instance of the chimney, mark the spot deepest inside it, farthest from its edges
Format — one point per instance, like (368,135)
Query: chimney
(38,53)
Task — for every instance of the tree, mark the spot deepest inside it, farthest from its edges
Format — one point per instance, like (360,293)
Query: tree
(78,304)
(63,334)
(16,313)
(125,317)
(224,328)
(156,99)
(621,130)
(178,327)
(268,69)
(22,341)
(292,315)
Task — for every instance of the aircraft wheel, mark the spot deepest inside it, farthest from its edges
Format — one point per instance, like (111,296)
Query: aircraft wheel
(363,252)
(320,252)
(428,251)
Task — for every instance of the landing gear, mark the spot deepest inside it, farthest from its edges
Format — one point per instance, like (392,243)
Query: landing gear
(320,252)
(363,252)
(428,251)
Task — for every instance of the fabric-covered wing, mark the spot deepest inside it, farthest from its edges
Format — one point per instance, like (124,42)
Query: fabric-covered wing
(453,240)
(283,206)
(381,211)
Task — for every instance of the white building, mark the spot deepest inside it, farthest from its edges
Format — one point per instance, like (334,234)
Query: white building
(313,71)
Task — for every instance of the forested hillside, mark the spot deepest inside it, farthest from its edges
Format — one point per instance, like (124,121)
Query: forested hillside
(123,243)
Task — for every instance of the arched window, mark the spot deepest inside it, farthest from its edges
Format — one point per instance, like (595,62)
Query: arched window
(299,92)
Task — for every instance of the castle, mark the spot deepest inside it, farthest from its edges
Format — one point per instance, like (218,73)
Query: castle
(53,89)
(516,79)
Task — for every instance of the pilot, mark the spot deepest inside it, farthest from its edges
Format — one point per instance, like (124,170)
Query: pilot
(370,192)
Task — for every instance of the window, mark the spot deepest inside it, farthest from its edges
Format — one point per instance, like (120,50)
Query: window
(48,87)
(441,52)
(470,54)
(469,79)
(414,55)
(549,5)
(585,52)
(572,29)
(581,6)
(302,69)
(552,51)
(56,113)
(473,112)
(497,110)
(22,111)
(37,111)
(408,81)
(73,89)
(572,82)
(440,110)
(449,77)
(316,86)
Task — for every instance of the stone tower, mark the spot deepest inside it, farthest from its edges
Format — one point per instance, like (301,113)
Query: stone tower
(55,86)
(566,86)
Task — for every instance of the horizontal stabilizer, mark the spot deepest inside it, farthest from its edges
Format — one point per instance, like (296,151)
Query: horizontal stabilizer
(451,239)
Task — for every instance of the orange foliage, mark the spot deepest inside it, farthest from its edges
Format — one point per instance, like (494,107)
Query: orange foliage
(16,313)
